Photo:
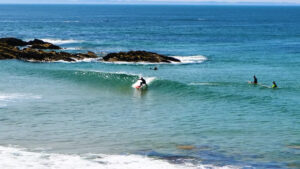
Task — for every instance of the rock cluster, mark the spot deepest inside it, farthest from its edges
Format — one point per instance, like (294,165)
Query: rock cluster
(32,51)
(40,51)
(139,56)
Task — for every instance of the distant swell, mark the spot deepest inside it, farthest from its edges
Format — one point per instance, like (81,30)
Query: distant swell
(12,158)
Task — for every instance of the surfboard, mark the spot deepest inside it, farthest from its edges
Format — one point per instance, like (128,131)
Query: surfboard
(141,87)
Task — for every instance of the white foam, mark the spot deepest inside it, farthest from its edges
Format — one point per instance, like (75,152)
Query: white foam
(17,158)
(76,60)
(7,97)
(190,59)
(72,48)
(61,41)
(87,60)
(12,97)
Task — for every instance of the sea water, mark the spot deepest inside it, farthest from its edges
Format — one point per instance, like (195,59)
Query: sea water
(87,115)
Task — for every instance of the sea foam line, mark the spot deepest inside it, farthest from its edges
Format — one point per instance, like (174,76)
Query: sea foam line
(15,96)
(190,59)
(12,158)
(62,41)
(78,60)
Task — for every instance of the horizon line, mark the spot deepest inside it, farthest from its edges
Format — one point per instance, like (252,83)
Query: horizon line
(162,2)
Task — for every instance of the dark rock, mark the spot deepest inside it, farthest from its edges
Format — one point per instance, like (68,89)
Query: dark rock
(139,56)
(8,50)
(36,42)
(44,46)
(13,41)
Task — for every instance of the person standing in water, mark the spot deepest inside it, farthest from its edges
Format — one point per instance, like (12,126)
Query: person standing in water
(254,80)
(274,85)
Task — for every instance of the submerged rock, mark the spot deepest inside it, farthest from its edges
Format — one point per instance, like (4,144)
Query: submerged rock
(139,56)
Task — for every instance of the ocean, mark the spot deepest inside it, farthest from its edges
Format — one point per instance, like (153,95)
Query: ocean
(86,114)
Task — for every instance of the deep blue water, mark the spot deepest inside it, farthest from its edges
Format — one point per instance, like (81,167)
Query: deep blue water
(91,107)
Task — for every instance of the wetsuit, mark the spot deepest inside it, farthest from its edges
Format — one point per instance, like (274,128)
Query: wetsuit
(143,81)
(255,80)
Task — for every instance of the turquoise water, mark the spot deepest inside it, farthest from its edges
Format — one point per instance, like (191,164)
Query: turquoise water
(67,110)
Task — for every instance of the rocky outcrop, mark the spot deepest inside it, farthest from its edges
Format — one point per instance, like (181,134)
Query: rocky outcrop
(35,44)
(39,44)
(139,56)
(13,42)
(34,51)
(9,50)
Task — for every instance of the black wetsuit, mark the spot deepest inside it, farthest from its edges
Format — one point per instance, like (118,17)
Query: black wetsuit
(255,80)
(143,81)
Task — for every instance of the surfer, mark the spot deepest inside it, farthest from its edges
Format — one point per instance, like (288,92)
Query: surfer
(254,80)
(155,68)
(274,85)
(143,82)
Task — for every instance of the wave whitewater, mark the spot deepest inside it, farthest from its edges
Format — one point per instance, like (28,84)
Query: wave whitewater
(62,41)
(12,157)
(191,59)
(12,97)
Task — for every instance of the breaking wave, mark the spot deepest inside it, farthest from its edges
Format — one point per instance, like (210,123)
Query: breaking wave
(12,157)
